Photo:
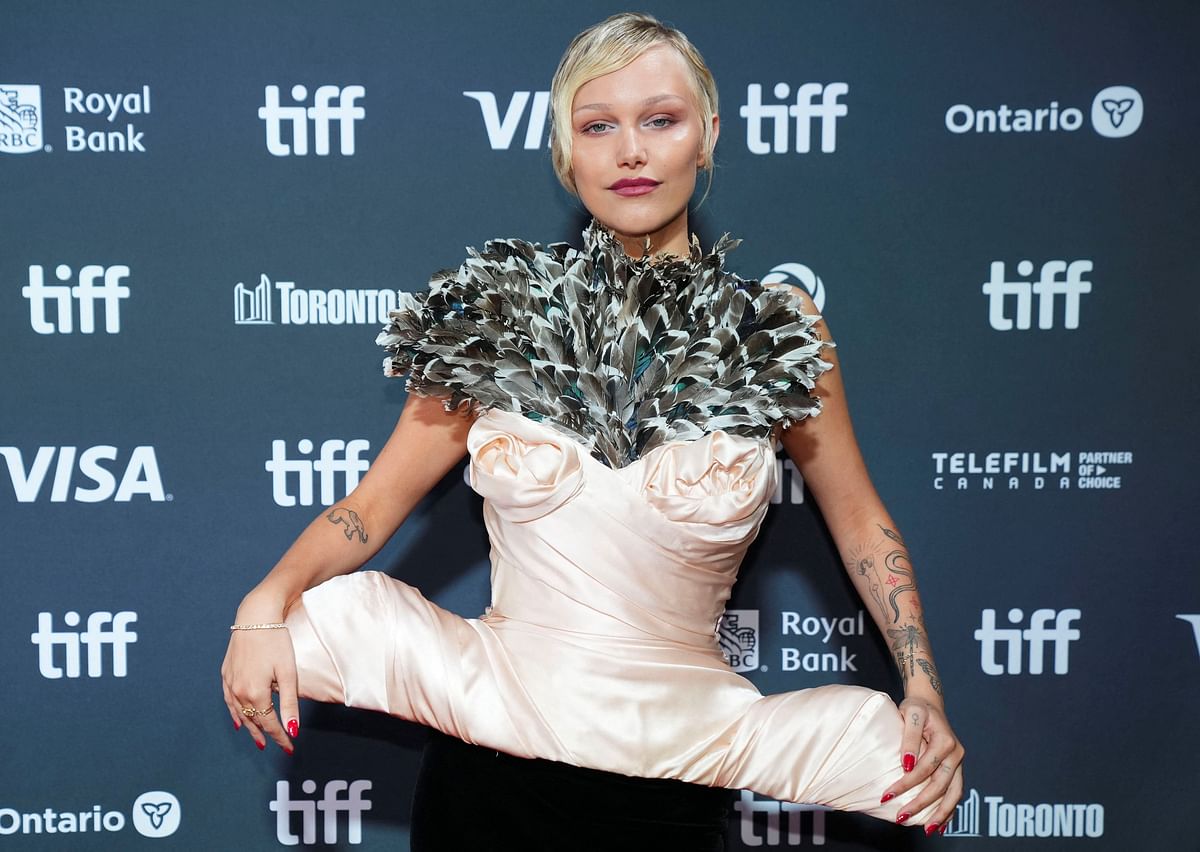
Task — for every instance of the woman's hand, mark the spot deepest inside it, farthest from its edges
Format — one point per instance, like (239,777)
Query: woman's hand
(256,662)
(930,752)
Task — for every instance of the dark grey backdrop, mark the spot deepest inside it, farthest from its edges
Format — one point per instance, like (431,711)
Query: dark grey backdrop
(901,221)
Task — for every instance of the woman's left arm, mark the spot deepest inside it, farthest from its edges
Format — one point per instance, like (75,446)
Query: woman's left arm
(827,455)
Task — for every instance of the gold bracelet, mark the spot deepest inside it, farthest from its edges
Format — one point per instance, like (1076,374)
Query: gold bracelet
(256,626)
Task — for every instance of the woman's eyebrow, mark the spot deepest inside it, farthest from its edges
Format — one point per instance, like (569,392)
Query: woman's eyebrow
(651,100)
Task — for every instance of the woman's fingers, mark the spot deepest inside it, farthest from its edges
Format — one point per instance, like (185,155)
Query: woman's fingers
(915,717)
(936,768)
(951,798)
(272,727)
(231,705)
(253,665)
(289,701)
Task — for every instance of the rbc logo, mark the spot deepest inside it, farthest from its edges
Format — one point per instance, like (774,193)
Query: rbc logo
(737,634)
(86,293)
(20,119)
(1037,635)
(1046,288)
(336,457)
(330,805)
(323,113)
(804,110)
(103,628)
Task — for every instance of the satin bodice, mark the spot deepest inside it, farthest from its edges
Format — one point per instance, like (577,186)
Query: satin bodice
(646,551)
(600,647)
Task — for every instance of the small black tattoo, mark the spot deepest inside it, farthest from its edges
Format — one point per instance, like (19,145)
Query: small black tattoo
(352,521)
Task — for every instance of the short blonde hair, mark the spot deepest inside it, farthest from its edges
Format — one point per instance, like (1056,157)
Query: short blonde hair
(609,46)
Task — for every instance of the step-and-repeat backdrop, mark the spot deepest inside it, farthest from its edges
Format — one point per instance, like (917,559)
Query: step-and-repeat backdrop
(208,210)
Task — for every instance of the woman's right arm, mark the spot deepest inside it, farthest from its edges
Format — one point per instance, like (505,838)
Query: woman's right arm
(426,444)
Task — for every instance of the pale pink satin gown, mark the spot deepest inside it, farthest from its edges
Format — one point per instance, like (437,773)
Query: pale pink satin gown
(600,646)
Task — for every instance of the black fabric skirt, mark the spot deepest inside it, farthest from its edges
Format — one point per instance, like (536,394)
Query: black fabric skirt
(473,798)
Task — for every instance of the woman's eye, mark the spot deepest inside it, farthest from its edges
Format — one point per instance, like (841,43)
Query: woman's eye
(655,122)
(594,124)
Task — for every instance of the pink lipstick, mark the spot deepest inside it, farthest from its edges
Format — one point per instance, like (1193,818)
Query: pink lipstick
(634,186)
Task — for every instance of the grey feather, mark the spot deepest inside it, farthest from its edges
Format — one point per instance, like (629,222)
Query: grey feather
(619,353)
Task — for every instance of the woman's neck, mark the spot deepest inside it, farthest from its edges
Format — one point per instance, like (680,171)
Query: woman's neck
(671,239)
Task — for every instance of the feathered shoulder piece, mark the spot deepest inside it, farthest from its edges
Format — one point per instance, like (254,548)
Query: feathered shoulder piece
(620,353)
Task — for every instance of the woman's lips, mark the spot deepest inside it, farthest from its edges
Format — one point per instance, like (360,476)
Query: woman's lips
(634,187)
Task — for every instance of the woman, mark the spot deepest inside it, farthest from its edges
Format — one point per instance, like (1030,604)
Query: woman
(622,408)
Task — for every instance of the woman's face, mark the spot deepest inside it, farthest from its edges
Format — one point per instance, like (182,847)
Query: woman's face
(635,149)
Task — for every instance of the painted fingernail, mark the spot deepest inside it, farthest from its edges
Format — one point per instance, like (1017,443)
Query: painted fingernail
(910,760)
(887,797)
(931,828)
(237,724)
(261,746)
(293,727)
(903,816)
(942,830)
(289,750)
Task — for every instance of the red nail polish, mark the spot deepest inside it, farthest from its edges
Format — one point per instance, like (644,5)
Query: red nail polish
(931,828)
(887,797)
(293,728)
(903,816)
(289,751)
(942,830)
(237,724)
(261,746)
(910,760)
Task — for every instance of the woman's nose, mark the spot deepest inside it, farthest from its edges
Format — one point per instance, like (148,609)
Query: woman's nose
(632,150)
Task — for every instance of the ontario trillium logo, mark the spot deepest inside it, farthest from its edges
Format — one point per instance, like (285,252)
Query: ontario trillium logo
(156,814)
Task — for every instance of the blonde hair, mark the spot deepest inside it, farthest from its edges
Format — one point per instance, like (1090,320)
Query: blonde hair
(609,46)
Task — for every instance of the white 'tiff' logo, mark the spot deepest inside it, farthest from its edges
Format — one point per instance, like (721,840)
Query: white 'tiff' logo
(330,805)
(156,814)
(501,131)
(1046,288)
(1037,635)
(323,113)
(95,637)
(737,634)
(141,475)
(20,119)
(748,806)
(805,110)
(87,292)
(336,457)
(1117,111)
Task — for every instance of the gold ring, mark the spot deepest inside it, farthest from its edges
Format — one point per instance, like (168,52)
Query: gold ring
(250,712)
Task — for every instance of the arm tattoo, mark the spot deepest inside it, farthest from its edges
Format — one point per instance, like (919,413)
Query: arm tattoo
(911,650)
(909,645)
(897,563)
(354,524)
